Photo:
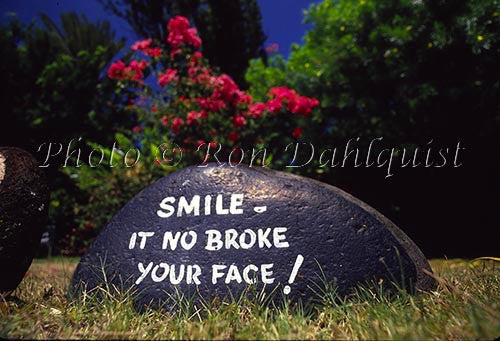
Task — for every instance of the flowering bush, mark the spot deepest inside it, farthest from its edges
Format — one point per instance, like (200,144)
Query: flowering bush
(177,99)
(181,99)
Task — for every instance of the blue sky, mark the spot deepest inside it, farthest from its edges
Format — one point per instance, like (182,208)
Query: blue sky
(282,19)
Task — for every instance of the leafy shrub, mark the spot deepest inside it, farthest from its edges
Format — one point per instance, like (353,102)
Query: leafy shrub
(419,74)
(179,100)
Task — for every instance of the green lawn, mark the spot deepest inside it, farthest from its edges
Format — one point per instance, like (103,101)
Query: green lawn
(466,305)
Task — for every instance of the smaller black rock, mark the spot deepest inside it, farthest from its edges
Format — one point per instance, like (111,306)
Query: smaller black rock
(24,199)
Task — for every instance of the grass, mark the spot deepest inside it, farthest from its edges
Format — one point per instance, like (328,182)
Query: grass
(466,305)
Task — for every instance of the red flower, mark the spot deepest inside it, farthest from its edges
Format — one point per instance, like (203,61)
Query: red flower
(238,121)
(195,58)
(282,92)
(304,105)
(176,123)
(154,108)
(193,116)
(117,70)
(295,103)
(256,110)
(225,89)
(174,52)
(167,77)
(164,120)
(136,129)
(245,98)
(178,23)
(233,137)
(142,45)
(153,52)
(181,33)
(192,38)
(211,104)
(297,132)
(143,64)
(145,47)
(274,105)
(192,71)
(134,69)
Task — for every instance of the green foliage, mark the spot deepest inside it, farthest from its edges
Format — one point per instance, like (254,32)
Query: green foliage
(402,69)
(55,92)
(411,72)
(105,192)
(103,188)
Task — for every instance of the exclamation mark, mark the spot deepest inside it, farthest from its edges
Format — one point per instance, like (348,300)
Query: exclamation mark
(296,267)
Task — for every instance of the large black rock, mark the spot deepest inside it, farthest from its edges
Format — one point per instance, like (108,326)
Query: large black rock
(24,199)
(251,224)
